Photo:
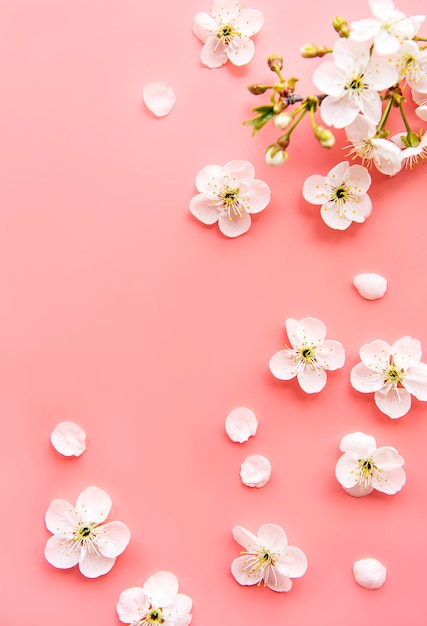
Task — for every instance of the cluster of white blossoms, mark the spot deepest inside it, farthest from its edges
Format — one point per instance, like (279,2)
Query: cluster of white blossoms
(378,65)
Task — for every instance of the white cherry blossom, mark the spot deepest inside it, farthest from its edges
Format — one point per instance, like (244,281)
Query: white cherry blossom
(393,373)
(80,535)
(342,194)
(229,194)
(309,356)
(267,558)
(363,467)
(226,33)
(411,63)
(384,154)
(156,602)
(388,28)
(352,82)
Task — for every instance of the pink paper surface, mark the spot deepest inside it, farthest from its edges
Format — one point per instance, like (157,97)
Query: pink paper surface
(123,313)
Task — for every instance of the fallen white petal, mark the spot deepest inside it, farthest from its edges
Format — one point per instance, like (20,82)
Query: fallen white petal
(369,573)
(241,424)
(159,98)
(370,286)
(68,439)
(255,471)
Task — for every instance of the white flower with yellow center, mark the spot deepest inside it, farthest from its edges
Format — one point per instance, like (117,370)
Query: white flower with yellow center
(267,558)
(309,356)
(157,602)
(392,373)
(80,535)
(229,195)
(411,63)
(363,467)
(352,82)
(226,33)
(384,154)
(342,194)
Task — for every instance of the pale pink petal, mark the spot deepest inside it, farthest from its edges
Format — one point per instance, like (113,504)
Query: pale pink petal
(273,537)
(370,105)
(363,445)
(395,403)
(207,179)
(387,458)
(255,471)
(376,355)
(282,365)
(416,381)
(93,505)
(179,611)
(359,491)
(346,468)
(391,482)
(243,574)
(339,173)
(381,75)
(333,217)
(338,112)
(240,51)
(359,179)
(204,209)
(351,55)
(365,380)
(259,196)
(214,53)
(311,380)
(132,605)
(61,552)
(204,26)
(315,190)
(61,517)
(277,581)
(161,588)
(226,10)
(240,424)
(406,351)
(68,439)
(245,538)
(249,22)
(292,563)
(422,112)
(369,573)
(91,565)
(306,330)
(112,538)
(358,210)
(329,79)
(370,286)
(238,169)
(159,98)
(364,29)
(236,226)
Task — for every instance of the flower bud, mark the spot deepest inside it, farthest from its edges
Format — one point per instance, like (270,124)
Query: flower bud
(341,26)
(282,120)
(275,155)
(311,50)
(275,62)
(325,136)
(257,90)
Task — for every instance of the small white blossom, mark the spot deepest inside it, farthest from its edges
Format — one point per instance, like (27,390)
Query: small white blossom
(267,558)
(309,356)
(411,63)
(388,28)
(342,194)
(226,33)
(384,154)
(363,467)
(229,195)
(392,373)
(352,82)
(157,602)
(80,535)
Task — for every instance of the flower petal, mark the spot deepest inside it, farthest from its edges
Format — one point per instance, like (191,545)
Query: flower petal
(365,380)
(331,355)
(346,468)
(391,482)
(333,216)
(62,518)
(395,403)
(277,581)
(255,471)
(214,53)
(207,179)
(282,364)
(369,573)
(363,445)
(259,196)
(293,563)
(93,505)
(204,26)
(240,424)
(249,22)
(159,98)
(204,209)
(132,605)
(311,380)
(161,588)
(416,381)
(315,190)
(245,538)
(92,565)
(236,226)
(68,439)
(241,572)
(112,538)
(239,169)
(240,51)
(61,553)
(376,355)
(370,286)
(273,537)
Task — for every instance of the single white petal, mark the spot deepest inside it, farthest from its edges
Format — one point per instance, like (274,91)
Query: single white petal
(249,22)
(178,613)
(282,365)
(278,582)
(238,169)
(359,179)
(338,112)
(331,355)
(240,424)
(364,29)
(365,380)
(416,381)
(204,26)
(93,505)
(292,562)
(329,79)
(346,468)
(370,286)
(240,572)
(376,354)
(359,491)
(391,482)
(236,226)
(255,471)
(245,538)
(387,458)
(132,605)
(61,552)
(112,538)
(68,439)
(92,565)
(315,190)
(159,98)
(306,330)
(258,195)
(369,573)
(161,588)
(406,352)
(363,445)
(395,403)
(204,209)
(214,53)
(240,51)
(61,517)
(273,537)
(333,216)
(209,180)
(312,380)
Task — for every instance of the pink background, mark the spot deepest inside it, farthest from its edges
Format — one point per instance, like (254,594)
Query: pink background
(122,312)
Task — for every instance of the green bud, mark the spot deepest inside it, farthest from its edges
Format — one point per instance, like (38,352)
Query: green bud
(341,26)
(275,155)
(257,90)
(275,62)
(325,136)
(311,50)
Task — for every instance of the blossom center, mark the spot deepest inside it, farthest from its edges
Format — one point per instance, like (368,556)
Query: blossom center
(85,537)
(226,33)
(307,354)
(231,202)
(154,616)
(393,376)
(356,84)
(367,472)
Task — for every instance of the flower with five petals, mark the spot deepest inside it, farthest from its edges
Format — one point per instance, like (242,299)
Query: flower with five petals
(309,356)
(392,373)
(80,535)
(229,195)
(157,602)
(226,33)
(267,558)
(363,467)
